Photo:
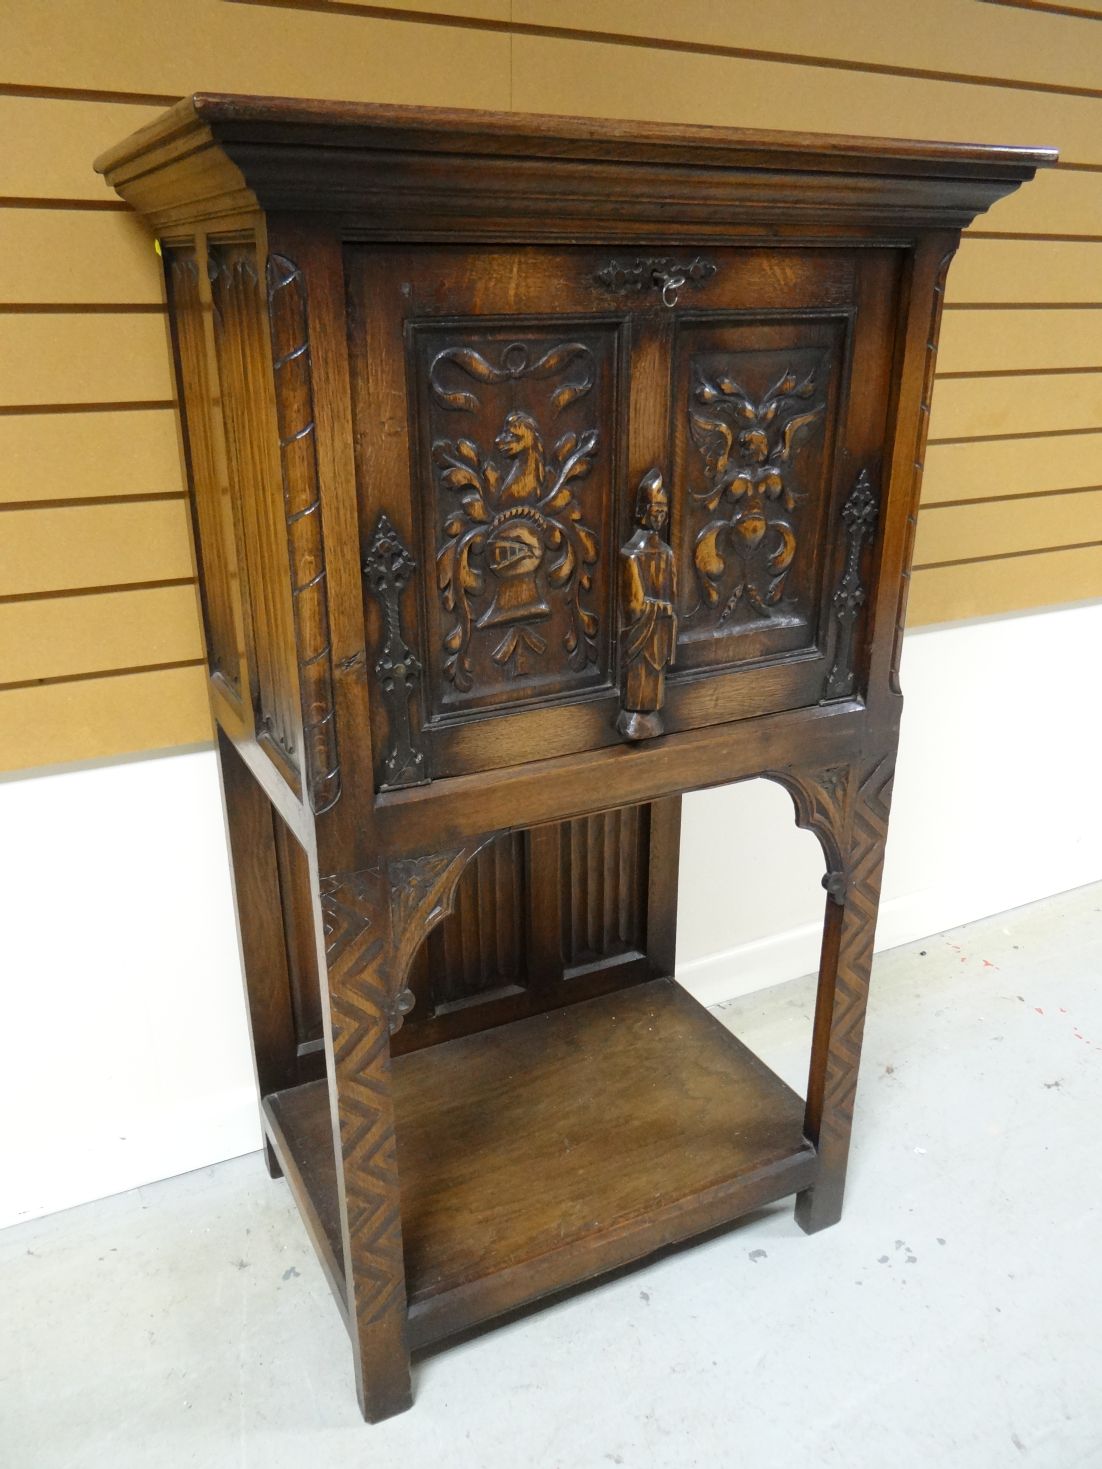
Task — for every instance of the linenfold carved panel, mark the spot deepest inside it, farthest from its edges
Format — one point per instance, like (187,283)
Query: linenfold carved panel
(518,453)
(753,437)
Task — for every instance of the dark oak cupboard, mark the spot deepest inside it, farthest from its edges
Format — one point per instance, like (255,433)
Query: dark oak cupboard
(542,470)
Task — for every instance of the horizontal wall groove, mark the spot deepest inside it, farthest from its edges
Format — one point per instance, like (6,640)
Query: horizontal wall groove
(1007,555)
(1037,433)
(925,509)
(948,377)
(41,683)
(73,502)
(12,410)
(88,94)
(131,586)
(1048,7)
(1024,305)
(1052,239)
(82,308)
(98,206)
(649,43)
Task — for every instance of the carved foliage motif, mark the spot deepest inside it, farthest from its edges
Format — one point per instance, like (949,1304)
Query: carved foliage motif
(744,554)
(516,544)
(859,519)
(659,273)
(294,397)
(387,569)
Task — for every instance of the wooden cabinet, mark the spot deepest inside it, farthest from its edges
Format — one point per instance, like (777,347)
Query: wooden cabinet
(542,470)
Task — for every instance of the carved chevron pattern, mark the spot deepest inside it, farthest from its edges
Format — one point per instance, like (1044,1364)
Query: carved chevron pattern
(374,921)
(868,833)
(357,951)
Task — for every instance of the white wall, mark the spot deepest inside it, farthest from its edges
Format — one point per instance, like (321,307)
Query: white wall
(126,1055)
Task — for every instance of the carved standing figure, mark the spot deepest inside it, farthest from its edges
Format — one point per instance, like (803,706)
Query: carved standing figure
(649,624)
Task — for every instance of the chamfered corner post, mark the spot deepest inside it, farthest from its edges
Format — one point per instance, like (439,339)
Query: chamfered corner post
(844,971)
(373,920)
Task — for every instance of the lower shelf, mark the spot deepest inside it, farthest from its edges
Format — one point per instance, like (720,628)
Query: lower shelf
(538,1154)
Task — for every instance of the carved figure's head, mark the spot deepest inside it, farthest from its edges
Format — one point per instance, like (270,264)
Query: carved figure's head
(652,503)
(519,435)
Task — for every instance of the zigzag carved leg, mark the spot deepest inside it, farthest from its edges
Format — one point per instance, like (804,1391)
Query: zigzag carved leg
(843,991)
(374,921)
(360,959)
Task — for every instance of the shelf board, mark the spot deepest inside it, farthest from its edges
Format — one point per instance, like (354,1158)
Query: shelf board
(538,1154)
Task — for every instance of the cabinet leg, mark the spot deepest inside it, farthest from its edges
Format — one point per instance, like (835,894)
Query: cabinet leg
(373,921)
(845,966)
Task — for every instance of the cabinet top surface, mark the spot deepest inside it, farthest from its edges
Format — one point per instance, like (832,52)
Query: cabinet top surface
(232,117)
(423,172)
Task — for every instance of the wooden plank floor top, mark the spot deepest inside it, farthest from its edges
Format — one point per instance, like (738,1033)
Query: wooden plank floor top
(567,1130)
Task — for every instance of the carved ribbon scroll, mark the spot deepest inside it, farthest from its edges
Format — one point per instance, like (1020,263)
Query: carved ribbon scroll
(859,518)
(294,398)
(388,568)
(648,634)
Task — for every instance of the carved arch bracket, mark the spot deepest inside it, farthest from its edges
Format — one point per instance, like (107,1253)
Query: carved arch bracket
(374,921)
(822,798)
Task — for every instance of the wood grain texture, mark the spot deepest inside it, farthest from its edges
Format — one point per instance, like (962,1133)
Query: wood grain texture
(920,78)
(493,392)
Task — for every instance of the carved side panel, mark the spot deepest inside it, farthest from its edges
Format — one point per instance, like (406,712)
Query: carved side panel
(481,945)
(244,356)
(604,869)
(518,456)
(206,458)
(754,428)
(294,396)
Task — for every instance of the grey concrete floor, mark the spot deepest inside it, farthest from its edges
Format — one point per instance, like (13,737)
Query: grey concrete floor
(953,1318)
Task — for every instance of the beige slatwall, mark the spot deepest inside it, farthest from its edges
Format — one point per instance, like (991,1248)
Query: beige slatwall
(99,639)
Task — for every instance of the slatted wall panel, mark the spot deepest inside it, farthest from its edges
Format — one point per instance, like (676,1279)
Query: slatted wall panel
(99,636)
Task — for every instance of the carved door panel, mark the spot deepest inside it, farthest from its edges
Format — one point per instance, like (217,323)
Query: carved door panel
(778,416)
(507,403)
(491,434)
